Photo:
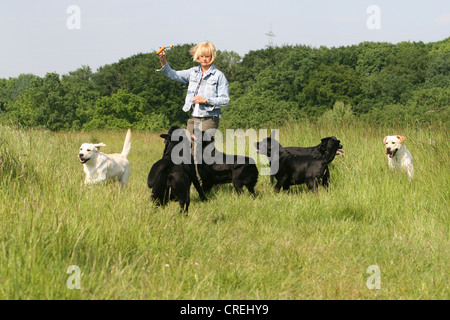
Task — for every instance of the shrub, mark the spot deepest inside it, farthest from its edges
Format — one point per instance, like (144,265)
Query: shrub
(341,113)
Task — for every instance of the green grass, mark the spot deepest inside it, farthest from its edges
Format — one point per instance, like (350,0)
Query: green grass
(294,245)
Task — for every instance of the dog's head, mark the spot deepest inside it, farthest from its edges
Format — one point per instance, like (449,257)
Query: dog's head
(332,148)
(172,138)
(89,151)
(168,143)
(392,144)
(328,146)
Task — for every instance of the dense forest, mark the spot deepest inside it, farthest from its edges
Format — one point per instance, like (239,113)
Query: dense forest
(404,83)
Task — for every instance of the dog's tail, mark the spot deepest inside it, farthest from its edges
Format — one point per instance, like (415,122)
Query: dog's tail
(127,144)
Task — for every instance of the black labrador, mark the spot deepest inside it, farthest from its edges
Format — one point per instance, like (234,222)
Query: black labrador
(299,168)
(217,167)
(170,178)
(320,150)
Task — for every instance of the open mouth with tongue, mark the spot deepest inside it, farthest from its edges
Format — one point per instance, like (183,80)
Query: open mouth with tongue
(83,161)
(391,153)
(340,152)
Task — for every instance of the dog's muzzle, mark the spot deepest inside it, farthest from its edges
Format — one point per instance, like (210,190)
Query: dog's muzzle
(391,153)
(340,152)
(82,160)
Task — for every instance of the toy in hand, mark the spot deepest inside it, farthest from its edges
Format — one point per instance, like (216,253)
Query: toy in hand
(161,49)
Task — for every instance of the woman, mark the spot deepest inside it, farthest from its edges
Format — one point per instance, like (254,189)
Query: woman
(207,89)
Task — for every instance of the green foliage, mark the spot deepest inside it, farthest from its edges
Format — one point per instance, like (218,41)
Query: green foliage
(41,103)
(81,94)
(340,114)
(438,71)
(329,84)
(383,89)
(254,112)
(120,110)
(409,61)
(373,57)
(229,63)
(266,86)
(425,106)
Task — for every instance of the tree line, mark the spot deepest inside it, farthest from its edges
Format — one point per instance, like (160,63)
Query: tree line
(408,82)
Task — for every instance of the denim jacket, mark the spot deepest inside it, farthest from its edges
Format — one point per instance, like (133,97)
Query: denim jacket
(213,87)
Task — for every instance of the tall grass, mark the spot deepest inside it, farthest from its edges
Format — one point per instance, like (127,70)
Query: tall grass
(294,245)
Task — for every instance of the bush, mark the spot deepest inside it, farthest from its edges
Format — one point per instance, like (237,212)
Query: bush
(153,122)
(254,113)
(341,113)
(425,106)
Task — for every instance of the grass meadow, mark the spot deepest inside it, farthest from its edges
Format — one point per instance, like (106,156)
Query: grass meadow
(287,246)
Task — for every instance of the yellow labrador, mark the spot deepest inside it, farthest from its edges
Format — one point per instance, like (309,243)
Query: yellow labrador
(100,167)
(398,156)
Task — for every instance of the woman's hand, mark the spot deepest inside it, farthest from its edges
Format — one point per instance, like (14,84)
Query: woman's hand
(199,100)
(162,58)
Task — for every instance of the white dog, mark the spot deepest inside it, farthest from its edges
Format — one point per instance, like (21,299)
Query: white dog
(100,167)
(398,156)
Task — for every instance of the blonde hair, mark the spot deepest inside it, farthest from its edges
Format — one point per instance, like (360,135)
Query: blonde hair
(205,48)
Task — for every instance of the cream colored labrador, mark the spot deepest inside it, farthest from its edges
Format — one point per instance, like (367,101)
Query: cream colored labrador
(398,156)
(99,167)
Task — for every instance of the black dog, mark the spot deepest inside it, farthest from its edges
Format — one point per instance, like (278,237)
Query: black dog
(297,169)
(221,168)
(321,150)
(171,180)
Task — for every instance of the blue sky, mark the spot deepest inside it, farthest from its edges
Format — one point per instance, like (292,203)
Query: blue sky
(34,37)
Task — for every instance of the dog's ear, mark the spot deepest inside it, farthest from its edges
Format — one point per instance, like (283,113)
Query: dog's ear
(384,140)
(165,136)
(173,128)
(323,146)
(98,145)
(401,138)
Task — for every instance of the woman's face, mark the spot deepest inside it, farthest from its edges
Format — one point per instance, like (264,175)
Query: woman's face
(205,61)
